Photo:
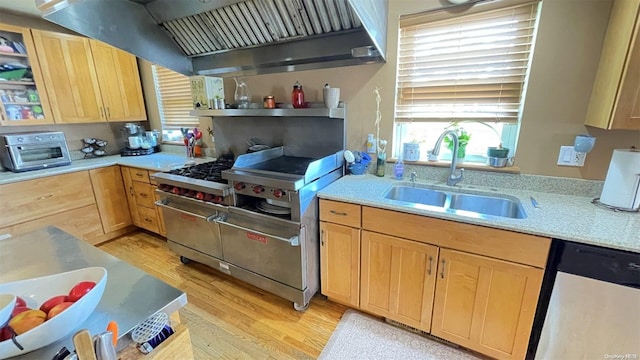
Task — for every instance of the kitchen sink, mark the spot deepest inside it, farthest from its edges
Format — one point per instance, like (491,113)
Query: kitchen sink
(457,202)
(418,195)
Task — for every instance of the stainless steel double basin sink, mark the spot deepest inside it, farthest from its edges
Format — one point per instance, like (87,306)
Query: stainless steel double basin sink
(456,201)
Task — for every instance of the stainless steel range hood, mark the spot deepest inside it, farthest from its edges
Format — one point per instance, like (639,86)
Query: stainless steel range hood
(230,37)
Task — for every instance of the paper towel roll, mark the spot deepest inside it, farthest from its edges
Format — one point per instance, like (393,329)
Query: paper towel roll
(622,185)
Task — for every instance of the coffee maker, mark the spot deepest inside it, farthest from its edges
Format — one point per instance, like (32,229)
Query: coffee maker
(138,142)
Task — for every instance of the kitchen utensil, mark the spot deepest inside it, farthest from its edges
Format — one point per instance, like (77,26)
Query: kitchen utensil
(104,348)
(150,327)
(84,345)
(534,202)
(62,354)
(349,157)
(113,327)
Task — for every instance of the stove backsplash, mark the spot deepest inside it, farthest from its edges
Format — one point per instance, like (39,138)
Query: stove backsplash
(306,137)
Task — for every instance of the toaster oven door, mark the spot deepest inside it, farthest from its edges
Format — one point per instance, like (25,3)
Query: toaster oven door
(38,156)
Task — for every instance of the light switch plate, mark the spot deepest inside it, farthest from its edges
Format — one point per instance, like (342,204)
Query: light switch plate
(569,157)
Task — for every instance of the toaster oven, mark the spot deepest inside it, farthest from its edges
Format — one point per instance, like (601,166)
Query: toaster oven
(33,150)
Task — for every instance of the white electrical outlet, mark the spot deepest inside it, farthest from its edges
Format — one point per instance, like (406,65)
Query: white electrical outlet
(569,157)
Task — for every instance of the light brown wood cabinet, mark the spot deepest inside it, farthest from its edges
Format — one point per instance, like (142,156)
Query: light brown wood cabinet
(88,81)
(23,100)
(111,198)
(475,286)
(340,263)
(398,279)
(141,197)
(615,98)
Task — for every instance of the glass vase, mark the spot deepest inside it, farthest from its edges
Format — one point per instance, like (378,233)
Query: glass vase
(380,164)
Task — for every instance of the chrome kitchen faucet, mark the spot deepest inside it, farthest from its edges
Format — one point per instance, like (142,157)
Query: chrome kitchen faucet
(452,179)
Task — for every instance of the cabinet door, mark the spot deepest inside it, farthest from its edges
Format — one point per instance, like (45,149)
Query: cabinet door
(70,77)
(110,198)
(485,304)
(398,279)
(131,195)
(119,82)
(23,99)
(340,263)
(614,102)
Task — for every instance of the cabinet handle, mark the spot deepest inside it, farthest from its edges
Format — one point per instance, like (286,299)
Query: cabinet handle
(44,197)
(148,220)
(442,270)
(321,237)
(108,112)
(338,213)
(143,195)
(102,113)
(430,264)
(139,175)
(133,193)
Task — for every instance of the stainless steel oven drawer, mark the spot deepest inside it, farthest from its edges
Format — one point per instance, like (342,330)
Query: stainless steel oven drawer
(270,247)
(192,226)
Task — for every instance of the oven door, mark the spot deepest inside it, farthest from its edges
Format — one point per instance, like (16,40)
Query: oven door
(192,225)
(265,245)
(35,156)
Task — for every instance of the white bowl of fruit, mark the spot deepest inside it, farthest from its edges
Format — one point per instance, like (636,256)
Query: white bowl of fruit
(49,308)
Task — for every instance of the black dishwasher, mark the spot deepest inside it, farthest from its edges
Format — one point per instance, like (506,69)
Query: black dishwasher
(593,310)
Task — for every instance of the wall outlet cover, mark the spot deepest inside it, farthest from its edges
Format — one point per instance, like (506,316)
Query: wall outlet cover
(569,157)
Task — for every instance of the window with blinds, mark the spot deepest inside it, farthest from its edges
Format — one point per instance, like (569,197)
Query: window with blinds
(173,91)
(465,67)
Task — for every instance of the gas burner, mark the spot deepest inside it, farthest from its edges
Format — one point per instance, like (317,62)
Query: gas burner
(210,171)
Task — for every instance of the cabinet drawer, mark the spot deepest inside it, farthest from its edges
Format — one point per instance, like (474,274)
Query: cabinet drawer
(148,219)
(139,175)
(33,199)
(144,194)
(340,213)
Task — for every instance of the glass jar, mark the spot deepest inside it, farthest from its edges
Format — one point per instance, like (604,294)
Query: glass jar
(297,96)
(269,102)
(381,163)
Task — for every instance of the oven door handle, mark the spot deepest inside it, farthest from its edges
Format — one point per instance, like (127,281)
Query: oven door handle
(293,241)
(210,218)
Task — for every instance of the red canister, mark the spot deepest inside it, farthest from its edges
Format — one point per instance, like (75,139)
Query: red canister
(297,96)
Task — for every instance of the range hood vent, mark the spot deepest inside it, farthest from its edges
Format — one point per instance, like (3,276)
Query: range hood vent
(223,37)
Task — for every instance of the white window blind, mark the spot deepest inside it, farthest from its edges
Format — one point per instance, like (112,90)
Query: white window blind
(173,91)
(469,67)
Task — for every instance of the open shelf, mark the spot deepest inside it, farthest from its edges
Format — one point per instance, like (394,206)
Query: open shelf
(338,113)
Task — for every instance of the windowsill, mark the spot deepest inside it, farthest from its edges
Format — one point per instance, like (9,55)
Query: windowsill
(471,166)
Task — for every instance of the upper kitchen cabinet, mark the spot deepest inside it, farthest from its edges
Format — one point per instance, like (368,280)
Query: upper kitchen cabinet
(89,81)
(23,100)
(615,98)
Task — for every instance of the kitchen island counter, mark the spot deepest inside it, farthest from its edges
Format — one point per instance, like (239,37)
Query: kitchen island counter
(566,217)
(130,296)
(154,162)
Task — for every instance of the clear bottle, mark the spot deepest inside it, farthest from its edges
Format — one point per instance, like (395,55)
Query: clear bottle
(398,169)
(371,144)
(297,96)
(242,96)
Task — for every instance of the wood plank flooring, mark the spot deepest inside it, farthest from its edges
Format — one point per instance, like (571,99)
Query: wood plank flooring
(227,318)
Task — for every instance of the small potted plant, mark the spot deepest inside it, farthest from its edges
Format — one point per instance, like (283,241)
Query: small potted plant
(463,140)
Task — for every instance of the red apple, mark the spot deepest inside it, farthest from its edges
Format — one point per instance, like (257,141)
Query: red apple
(5,334)
(18,309)
(47,305)
(20,301)
(58,309)
(80,290)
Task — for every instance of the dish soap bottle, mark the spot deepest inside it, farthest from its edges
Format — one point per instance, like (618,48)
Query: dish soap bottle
(398,169)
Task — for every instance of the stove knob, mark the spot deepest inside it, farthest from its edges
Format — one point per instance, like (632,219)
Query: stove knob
(175,190)
(258,189)
(218,199)
(239,186)
(277,193)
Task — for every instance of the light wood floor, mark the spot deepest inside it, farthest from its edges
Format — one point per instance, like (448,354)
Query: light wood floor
(227,318)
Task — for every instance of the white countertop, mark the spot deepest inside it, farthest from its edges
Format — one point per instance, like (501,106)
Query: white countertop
(563,217)
(154,162)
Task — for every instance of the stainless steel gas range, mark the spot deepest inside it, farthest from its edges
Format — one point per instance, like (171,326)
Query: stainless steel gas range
(255,219)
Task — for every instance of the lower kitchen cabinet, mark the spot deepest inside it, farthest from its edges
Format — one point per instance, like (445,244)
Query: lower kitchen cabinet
(474,286)
(340,263)
(141,198)
(110,198)
(398,279)
(485,304)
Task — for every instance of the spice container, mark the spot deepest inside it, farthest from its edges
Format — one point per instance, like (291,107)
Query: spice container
(297,96)
(269,102)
